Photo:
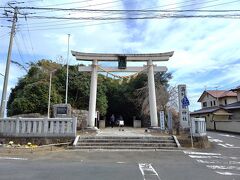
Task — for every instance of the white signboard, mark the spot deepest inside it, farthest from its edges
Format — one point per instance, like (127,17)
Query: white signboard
(183,110)
(121,123)
(162,123)
(169,120)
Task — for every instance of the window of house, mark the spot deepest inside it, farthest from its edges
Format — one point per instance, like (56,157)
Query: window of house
(204,104)
(225,101)
(211,103)
(214,103)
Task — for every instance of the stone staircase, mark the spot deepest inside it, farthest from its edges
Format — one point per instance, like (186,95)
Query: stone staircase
(125,143)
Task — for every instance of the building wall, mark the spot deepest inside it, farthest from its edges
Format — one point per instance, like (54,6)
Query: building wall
(235,114)
(229,100)
(229,126)
(238,95)
(211,118)
(208,99)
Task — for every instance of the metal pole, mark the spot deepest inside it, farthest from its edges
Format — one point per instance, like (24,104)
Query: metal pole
(66,97)
(5,84)
(191,133)
(49,94)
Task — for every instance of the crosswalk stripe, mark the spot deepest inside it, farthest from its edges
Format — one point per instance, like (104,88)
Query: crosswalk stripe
(223,167)
(228,173)
(201,153)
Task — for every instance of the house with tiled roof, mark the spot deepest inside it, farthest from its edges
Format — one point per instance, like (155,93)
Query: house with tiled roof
(211,98)
(219,107)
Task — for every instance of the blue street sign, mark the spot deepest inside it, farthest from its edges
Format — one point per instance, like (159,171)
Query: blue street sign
(185,102)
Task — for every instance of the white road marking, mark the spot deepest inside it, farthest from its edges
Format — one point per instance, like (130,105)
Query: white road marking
(209,137)
(147,170)
(227,173)
(223,167)
(223,145)
(201,153)
(13,158)
(215,140)
(230,146)
(208,162)
(211,157)
(120,162)
(226,135)
(234,162)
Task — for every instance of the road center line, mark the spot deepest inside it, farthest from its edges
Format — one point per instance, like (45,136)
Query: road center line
(147,170)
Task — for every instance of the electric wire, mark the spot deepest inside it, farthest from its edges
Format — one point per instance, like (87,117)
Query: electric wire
(235,16)
(30,40)
(19,49)
(24,42)
(142,9)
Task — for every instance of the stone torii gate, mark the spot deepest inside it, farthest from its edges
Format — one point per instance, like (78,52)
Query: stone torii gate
(95,57)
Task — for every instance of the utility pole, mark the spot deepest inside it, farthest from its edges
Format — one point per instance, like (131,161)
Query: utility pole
(66,97)
(5,84)
(49,94)
(50,91)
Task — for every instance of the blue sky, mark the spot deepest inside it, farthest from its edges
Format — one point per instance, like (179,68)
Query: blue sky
(206,50)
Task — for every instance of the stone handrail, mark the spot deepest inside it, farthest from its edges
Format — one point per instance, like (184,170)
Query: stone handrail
(38,127)
(198,127)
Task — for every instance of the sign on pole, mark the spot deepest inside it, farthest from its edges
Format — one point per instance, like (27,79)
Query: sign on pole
(162,123)
(170,121)
(183,106)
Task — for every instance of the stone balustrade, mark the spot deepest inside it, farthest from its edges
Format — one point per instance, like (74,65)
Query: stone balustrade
(38,127)
(198,127)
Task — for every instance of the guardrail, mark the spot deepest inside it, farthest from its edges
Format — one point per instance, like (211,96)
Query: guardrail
(38,127)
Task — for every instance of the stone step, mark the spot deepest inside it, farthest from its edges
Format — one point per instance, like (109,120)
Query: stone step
(129,144)
(123,147)
(127,140)
(123,137)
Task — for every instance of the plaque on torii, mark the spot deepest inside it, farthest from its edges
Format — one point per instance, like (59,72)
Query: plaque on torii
(122,58)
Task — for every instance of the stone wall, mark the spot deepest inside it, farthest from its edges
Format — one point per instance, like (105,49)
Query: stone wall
(82,116)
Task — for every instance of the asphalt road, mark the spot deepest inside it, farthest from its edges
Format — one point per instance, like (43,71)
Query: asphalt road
(218,163)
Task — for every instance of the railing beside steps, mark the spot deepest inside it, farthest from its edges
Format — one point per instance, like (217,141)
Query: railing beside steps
(38,127)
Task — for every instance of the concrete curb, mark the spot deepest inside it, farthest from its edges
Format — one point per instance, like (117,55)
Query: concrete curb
(177,142)
(76,140)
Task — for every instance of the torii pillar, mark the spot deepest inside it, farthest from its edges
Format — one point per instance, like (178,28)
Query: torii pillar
(152,95)
(93,95)
(95,57)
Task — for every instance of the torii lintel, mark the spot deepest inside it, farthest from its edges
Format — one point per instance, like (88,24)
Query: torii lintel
(115,57)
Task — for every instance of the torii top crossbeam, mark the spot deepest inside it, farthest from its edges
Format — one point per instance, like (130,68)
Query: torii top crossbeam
(129,57)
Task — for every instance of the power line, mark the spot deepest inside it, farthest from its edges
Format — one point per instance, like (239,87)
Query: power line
(158,16)
(19,49)
(4,35)
(75,2)
(69,27)
(130,10)
(141,9)
(30,40)
(24,42)
(86,6)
